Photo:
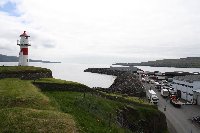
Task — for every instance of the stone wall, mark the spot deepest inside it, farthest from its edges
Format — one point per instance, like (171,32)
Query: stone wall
(62,87)
(27,75)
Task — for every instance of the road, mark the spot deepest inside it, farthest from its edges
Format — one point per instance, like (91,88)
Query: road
(178,119)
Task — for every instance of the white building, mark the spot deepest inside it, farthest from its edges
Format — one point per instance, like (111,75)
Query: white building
(23,54)
(186,85)
(196,96)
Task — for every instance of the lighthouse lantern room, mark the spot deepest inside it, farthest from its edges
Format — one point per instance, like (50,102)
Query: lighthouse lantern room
(23,54)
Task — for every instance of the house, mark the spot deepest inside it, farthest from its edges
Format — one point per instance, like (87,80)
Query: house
(185,86)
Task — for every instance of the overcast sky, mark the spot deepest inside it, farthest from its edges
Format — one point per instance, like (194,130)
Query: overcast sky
(102,31)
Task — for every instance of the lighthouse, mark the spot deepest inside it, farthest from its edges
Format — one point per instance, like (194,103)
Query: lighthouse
(24,44)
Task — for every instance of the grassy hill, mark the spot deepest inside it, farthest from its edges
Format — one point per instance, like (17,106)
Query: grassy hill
(96,111)
(189,62)
(23,108)
(26,107)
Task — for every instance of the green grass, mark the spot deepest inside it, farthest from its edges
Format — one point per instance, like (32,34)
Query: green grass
(26,120)
(23,108)
(58,81)
(19,69)
(136,101)
(130,98)
(21,93)
(91,113)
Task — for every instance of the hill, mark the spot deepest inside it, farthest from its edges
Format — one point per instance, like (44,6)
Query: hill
(54,105)
(23,108)
(5,58)
(189,62)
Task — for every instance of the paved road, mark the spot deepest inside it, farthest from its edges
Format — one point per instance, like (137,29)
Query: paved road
(178,119)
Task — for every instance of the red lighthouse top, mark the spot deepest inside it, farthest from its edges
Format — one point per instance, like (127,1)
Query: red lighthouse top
(24,34)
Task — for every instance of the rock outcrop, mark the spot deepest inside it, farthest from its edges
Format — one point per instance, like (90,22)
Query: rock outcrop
(150,121)
(128,83)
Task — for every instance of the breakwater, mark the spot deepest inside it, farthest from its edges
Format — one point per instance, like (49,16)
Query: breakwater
(106,71)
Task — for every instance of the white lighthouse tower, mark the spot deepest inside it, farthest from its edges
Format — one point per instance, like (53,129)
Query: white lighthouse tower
(23,54)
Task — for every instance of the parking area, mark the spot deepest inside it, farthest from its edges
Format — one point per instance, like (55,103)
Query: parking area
(179,120)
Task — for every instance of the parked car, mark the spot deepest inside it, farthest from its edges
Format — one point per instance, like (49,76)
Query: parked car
(158,87)
(196,119)
(143,80)
(164,93)
(172,91)
(152,81)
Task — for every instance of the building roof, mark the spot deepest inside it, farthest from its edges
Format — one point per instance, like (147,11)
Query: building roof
(189,78)
(198,91)
(24,34)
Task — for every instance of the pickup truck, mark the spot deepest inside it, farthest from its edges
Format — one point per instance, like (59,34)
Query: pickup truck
(175,102)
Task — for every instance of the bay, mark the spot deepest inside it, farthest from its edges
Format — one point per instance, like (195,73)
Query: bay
(74,72)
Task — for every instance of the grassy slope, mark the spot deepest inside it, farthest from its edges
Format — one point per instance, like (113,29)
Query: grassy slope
(23,108)
(91,113)
(59,81)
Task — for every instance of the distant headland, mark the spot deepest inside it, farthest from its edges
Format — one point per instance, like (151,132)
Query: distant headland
(5,58)
(189,62)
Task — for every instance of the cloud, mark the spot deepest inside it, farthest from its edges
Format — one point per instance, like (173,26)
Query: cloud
(116,29)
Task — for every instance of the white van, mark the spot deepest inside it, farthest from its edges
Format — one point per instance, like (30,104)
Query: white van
(164,92)
(151,95)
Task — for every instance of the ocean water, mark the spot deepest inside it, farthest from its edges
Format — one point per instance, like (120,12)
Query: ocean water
(74,72)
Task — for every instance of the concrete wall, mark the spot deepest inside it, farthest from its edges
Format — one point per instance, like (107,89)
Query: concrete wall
(197,97)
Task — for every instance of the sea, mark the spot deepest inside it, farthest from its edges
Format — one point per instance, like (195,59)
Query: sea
(75,72)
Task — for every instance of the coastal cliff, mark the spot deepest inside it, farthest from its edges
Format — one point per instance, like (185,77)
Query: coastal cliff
(189,62)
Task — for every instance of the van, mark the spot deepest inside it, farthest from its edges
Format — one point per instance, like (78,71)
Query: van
(164,93)
(151,95)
